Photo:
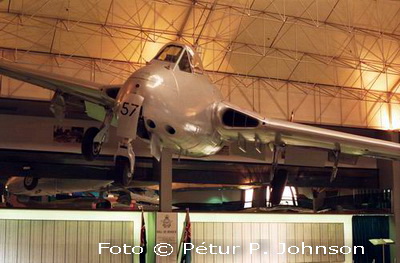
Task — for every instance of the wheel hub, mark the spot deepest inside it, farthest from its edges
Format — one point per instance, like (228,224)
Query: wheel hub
(29,180)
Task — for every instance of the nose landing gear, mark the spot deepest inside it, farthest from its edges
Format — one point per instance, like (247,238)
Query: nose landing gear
(124,164)
(128,112)
(128,117)
(123,174)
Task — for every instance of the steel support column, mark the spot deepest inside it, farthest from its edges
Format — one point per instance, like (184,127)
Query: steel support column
(163,171)
(389,177)
(396,199)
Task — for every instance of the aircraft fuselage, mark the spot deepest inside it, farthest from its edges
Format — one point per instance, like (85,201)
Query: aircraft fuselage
(179,107)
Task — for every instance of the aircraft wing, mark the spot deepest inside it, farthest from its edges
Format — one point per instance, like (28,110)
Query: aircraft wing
(254,133)
(85,90)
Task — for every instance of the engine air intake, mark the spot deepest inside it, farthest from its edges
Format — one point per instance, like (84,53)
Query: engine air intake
(112,92)
(233,118)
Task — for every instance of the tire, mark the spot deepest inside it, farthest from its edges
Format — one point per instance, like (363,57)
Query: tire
(122,174)
(90,149)
(278,185)
(105,204)
(30,182)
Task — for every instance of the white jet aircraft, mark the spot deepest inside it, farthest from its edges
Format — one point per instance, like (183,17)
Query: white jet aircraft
(171,103)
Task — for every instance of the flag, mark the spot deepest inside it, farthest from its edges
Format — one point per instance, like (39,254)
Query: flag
(187,238)
(143,241)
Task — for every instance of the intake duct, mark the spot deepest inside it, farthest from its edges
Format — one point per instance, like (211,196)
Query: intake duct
(233,118)
(112,92)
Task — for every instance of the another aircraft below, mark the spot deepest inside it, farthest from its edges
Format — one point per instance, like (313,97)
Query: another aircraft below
(81,194)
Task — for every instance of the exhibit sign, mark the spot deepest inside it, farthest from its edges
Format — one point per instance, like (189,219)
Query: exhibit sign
(166,237)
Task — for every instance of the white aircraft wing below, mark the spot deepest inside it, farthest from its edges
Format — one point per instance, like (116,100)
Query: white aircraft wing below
(85,90)
(250,131)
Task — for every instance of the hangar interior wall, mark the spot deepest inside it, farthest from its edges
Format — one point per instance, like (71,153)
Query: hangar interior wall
(269,236)
(269,230)
(62,241)
(21,129)
(47,236)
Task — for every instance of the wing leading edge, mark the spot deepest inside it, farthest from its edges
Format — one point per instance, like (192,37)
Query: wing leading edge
(248,128)
(85,90)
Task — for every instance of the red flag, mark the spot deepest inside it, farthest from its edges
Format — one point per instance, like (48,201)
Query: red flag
(187,238)
(143,241)
(188,230)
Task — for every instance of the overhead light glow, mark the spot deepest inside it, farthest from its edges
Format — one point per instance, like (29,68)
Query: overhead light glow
(385,118)
(395,118)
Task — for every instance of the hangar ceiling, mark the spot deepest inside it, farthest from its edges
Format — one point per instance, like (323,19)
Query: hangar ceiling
(327,61)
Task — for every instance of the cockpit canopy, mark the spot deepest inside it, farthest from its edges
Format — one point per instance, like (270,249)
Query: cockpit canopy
(182,55)
(170,53)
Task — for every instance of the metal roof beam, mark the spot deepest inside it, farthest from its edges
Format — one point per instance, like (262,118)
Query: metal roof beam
(275,16)
(372,65)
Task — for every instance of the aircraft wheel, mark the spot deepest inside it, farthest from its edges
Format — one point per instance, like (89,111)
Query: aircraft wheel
(105,204)
(90,149)
(30,182)
(278,185)
(2,189)
(123,176)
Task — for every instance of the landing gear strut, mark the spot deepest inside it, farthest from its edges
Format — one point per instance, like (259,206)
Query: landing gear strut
(336,156)
(127,111)
(277,148)
(278,185)
(128,117)
(123,171)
